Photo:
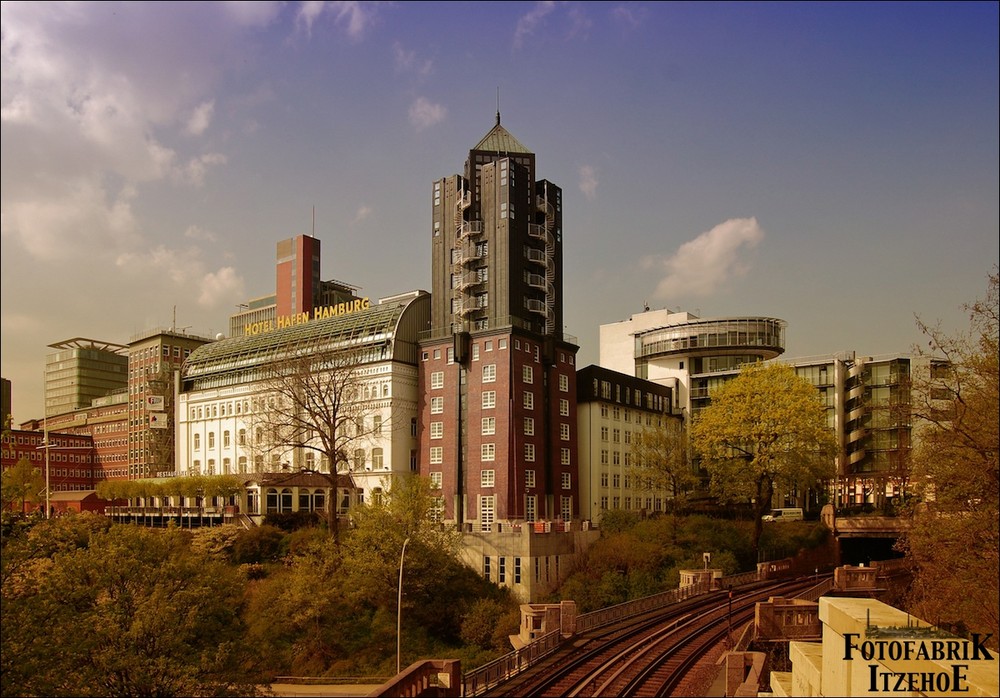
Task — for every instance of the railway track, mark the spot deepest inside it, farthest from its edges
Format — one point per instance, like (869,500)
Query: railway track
(647,655)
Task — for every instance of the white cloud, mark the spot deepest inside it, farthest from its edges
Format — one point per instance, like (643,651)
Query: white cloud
(588,180)
(702,265)
(424,113)
(193,173)
(71,220)
(362,213)
(408,62)
(222,284)
(201,118)
(531,21)
(632,17)
(198,233)
(353,17)
(176,272)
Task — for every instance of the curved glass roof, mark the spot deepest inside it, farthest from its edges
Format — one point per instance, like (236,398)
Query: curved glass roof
(241,359)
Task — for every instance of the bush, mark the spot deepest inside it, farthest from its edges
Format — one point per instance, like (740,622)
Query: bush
(261,544)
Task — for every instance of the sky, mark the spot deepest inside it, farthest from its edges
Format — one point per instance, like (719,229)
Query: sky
(834,165)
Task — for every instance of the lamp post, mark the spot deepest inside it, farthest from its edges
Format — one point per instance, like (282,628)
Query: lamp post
(399,606)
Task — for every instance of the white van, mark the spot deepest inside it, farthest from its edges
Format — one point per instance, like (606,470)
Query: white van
(784,515)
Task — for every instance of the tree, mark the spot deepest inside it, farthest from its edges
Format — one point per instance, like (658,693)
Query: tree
(22,483)
(764,429)
(317,399)
(129,612)
(955,536)
(660,460)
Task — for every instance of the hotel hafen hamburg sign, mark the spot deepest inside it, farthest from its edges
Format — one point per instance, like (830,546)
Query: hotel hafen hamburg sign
(954,653)
(327,311)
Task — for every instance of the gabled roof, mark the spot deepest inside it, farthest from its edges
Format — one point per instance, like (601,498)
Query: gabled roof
(500,140)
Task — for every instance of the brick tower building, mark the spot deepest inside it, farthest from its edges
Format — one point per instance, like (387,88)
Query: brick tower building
(498,376)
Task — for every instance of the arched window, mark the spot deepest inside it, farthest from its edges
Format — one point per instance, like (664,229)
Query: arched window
(286,500)
(272,500)
(197,442)
(253,501)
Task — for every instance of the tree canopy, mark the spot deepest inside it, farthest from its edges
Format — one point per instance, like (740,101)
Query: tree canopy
(954,541)
(765,429)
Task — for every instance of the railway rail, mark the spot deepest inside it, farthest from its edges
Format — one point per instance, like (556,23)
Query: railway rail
(648,655)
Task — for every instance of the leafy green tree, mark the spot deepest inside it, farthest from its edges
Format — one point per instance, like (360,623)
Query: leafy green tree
(22,484)
(955,536)
(132,612)
(763,430)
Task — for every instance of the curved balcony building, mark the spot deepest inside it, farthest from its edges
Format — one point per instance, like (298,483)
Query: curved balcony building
(674,348)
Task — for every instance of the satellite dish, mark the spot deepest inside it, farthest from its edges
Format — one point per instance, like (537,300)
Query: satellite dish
(219,336)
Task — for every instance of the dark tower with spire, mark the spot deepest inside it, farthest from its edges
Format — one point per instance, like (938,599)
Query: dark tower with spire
(499,376)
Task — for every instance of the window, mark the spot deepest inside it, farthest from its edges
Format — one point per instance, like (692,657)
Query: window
(529,426)
(436,480)
(604,433)
(566,508)
(529,400)
(488,452)
(529,453)
(487,512)
(502,570)
(211,439)
(564,456)
(616,480)
(487,478)
(517,570)
(225,439)
(475,352)
(489,373)
(486,560)
(567,481)
(527,375)
(377,462)
(242,437)
(489,399)
(437,430)
(489,426)
(359,459)
(197,442)
(437,380)
(437,455)
(604,479)
(563,382)
(437,405)
(564,432)
(563,408)
(530,507)
(488,344)
(377,425)
(616,436)
(529,478)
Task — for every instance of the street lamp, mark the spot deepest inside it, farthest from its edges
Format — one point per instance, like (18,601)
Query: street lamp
(399,606)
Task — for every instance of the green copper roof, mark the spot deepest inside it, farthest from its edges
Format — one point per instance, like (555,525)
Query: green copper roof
(499,140)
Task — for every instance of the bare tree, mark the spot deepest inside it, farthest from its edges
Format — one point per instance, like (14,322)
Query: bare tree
(660,460)
(316,400)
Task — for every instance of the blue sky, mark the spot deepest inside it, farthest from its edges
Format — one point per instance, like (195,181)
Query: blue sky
(834,165)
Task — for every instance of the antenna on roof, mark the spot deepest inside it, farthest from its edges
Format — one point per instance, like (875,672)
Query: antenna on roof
(314,222)
(498,105)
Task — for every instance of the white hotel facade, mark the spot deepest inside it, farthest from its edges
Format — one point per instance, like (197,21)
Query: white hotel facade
(222,387)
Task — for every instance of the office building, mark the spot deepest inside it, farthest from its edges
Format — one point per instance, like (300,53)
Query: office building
(80,370)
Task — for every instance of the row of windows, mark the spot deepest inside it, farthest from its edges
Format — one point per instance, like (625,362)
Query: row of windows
(54,457)
(651,503)
(487,346)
